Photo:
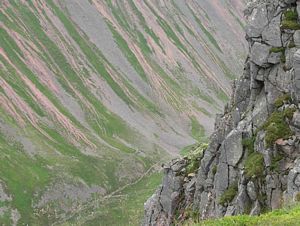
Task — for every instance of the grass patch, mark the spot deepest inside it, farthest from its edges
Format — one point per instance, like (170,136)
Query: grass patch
(249,143)
(276,161)
(276,127)
(290,20)
(126,208)
(197,130)
(254,165)
(193,154)
(288,217)
(282,100)
(277,49)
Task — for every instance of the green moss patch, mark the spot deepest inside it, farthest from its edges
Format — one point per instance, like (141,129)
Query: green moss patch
(254,165)
(282,100)
(290,20)
(276,127)
(229,194)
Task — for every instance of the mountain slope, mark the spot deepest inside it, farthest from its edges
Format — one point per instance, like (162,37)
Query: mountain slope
(94,93)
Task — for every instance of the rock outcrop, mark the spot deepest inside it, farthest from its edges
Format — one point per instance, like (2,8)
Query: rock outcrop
(252,163)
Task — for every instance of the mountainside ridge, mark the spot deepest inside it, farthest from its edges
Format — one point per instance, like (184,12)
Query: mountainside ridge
(251,164)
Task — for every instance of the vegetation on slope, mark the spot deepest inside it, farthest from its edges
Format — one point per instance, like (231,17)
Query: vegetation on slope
(288,217)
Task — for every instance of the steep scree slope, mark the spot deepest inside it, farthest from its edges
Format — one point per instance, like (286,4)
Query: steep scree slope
(95,92)
(252,163)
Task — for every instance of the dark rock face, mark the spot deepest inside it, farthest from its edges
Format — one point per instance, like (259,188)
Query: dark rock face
(252,162)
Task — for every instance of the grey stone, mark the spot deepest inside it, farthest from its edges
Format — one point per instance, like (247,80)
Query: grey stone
(230,211)
(274,58)
(297,38)
(296,120)
(260,54)
(233,147)
(251,191)
(256,209)
(257,21)
(289,57)
(272,34)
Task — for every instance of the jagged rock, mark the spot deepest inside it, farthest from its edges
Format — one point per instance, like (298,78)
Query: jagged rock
(296,120)
(257,21)
(256,209)
(242,200)
(297,38)
(293,184)
(251,191)
(272,34)
(289,56)
(260,54)
(274,58)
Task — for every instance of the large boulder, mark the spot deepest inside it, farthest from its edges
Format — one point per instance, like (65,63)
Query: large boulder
(257,21)
(272,34)
(260,54)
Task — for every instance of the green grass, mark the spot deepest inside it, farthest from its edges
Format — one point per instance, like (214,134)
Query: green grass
(281,100)
(254,165)
(249,143)
(22,176)
(126,208)
(277,49)
(290,20)
(288,217)
(197,130)
(229,194)
(276,127)
(193,157)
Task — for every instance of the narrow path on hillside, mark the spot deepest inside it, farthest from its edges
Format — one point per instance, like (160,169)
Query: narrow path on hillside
(96,203)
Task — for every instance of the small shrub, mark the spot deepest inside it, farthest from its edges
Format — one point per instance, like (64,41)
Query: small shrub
(254,165)
(229,194)
(282,100)
(276,127)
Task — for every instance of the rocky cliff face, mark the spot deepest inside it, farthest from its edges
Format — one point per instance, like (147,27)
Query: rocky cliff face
(252,163)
